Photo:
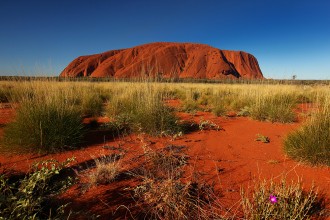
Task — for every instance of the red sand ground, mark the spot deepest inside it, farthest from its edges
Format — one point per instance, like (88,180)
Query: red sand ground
(166,60)
(230,157)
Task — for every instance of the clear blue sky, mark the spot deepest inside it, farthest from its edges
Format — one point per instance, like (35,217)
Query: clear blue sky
(286,36)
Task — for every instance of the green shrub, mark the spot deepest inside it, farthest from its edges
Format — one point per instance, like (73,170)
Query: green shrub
(219,110)
(303,98)
(45,124)
(190,106)
(30,197)
(144,111)
(169,93)
(311,143)
(20,90)
(204,100)
(281,201)
(92,104)
(277,108)
(236,103)
(218,105)
(195,95)
(3,95)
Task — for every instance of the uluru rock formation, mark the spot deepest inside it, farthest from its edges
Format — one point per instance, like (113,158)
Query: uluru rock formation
(166,60)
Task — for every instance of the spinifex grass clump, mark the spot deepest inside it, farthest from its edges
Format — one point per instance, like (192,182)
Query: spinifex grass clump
(46,122)
(3,95)
(91,102)
(275,108)
(191,101)
(144,110)
(190,106)
(218,106)
(281,201)
(106,170)
(30,197)
(311,142)
(225,100)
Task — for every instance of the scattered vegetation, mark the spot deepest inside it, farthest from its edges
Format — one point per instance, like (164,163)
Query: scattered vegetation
(164,193)
(49,118)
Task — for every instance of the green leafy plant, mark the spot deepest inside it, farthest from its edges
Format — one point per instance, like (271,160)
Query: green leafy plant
(29,198)
(262,138)
(208,125)
(244,112)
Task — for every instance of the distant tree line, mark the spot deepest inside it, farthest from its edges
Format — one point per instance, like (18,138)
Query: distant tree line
(293,81)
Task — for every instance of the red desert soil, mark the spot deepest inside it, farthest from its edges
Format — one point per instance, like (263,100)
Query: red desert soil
(166,60)
(229,157)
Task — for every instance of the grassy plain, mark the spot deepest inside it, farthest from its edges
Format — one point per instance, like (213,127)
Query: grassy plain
(49,118)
